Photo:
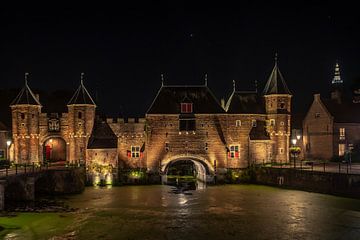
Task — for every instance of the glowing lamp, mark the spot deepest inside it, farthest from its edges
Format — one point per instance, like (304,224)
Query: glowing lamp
(293,141)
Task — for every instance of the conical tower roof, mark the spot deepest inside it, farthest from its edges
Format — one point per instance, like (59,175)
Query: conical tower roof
(276,83)
(25,96)
(81,95)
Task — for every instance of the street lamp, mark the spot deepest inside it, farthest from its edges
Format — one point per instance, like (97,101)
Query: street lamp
(293,152)
(298,137)
(8,143)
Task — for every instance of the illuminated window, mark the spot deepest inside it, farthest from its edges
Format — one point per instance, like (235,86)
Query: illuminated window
(186,108)
(342,133)
(238,123)
(341,149)
(317,115)
(135,151)
(272,122)
(234,151)
(253,123)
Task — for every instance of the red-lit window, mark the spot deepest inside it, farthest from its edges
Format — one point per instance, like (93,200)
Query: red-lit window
(234,151)
(186,108)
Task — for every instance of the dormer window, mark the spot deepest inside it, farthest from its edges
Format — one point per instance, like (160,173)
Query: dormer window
(186,108)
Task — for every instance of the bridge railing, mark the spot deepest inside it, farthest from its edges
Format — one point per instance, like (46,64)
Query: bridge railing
(16,168)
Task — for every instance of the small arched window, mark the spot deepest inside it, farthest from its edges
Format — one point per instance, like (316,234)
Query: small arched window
(79,115)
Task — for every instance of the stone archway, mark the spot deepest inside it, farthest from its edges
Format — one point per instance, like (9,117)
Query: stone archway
(202,170)
(54,149)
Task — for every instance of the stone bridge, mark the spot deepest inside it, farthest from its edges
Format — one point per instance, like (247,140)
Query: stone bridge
(23,184)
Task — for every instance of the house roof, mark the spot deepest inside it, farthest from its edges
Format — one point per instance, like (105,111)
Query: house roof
(102,136)
(245,102)
(169,98)
(25,97)
(259,132)
(276,83)
(81,96)
(343,112)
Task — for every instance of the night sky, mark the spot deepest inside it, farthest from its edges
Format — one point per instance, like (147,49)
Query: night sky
(124,49)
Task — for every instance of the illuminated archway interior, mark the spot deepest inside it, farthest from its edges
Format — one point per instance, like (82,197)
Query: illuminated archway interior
(54,150)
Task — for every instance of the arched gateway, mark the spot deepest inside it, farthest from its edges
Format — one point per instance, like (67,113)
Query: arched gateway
(199,168)
(54,149)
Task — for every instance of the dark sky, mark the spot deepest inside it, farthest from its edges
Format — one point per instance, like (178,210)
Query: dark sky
(124,49)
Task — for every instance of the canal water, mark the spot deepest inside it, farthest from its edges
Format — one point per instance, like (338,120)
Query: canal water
(217,212)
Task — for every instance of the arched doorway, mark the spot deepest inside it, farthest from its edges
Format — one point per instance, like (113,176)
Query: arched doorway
(187,173)
(54,150)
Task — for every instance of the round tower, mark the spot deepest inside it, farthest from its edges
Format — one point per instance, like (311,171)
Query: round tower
(25,110)
(81,116)
(277,99)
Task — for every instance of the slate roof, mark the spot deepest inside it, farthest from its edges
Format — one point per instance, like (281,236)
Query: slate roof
(169,98)
(344,112)
(276,83)
(259,132)
(26,97)
(81,96)
(245,102)
(102,136)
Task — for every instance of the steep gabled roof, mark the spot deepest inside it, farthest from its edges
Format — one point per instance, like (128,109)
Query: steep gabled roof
(81,96)
(276,83)
(259,132)
(245,102)
(25,97)
(169,98)
(102,136)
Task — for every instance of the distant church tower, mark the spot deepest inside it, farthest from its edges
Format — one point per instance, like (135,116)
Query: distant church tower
(81,116)
(278,108)
(336,85)
(25,110)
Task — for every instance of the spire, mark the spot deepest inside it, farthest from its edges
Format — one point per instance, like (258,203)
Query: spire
(26,96)
(82,78)
(276,83)
(26,78)
(162,80)
(81,95)
(206,79)
(337,78)
(234,86)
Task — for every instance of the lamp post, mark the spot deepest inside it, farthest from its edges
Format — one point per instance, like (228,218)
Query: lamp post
(294,143)
(8,143)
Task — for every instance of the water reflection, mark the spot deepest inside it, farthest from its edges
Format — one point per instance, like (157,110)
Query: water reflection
(221,212)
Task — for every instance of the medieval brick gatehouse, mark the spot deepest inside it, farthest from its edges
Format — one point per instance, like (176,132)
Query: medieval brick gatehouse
(182,123)
(331,127)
